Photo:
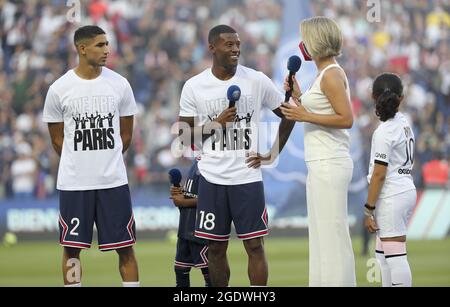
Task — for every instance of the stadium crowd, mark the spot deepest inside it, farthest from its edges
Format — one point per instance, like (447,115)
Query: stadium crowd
(158,44)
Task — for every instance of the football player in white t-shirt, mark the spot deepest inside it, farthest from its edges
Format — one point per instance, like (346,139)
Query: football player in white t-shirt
(392,194)
(90,114)
(231,187)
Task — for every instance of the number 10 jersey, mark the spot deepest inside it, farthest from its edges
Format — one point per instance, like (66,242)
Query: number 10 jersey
(393,146)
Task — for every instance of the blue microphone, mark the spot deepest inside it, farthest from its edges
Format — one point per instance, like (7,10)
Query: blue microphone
(233,94)
(293,66)
(175,177)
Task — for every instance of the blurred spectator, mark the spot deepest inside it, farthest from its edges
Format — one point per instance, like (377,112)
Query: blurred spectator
(23,172)
(436,173)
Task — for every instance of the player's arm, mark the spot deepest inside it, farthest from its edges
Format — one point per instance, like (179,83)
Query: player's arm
(376,183)
(284,132)
(126,131)
(375,187)
(57,136)
(206,131)
(334,87)
(188,132)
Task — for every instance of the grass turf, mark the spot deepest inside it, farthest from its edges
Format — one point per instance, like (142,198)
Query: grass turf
(39,264)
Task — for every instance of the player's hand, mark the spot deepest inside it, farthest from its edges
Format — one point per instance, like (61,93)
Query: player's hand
(177,199)
(297,92)
(176,191)
(370,224)
(257,160)
(294,110)
(227,116)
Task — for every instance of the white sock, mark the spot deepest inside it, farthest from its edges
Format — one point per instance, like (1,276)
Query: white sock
(73,286)
(135,284)
(384,267)
(385,271)
(400,271)
(396,257)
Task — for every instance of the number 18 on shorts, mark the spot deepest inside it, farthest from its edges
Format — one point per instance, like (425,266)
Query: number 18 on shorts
(218,206)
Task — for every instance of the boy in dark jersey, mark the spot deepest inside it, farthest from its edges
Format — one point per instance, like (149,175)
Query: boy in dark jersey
(191,251)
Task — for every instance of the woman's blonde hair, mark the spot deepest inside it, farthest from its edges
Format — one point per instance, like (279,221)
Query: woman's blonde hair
(322,37)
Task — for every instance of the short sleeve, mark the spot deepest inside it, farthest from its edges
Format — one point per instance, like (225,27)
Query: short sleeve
(271,96)
(128,104)
(187,102)
(382,147)
(52,108)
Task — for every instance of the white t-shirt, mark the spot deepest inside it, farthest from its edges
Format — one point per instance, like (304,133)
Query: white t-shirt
(322,143)
(91,110)
(205,97)
(393,146)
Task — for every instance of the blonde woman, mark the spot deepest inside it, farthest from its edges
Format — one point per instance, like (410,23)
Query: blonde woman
(326,112)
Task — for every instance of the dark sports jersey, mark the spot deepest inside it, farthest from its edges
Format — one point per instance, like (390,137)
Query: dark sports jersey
(186,227)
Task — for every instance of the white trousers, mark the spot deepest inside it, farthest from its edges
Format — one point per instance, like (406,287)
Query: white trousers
(331,258)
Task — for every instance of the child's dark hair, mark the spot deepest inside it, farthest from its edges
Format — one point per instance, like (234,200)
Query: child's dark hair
(387,92)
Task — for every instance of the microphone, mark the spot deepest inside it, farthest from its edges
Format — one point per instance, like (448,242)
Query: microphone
(233,94)
(175,177)
(293,66)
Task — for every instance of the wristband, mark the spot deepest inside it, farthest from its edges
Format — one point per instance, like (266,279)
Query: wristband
(368,210)
(369,207)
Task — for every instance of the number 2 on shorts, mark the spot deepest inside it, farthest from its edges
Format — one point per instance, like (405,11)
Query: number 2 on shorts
(77,222)
(207,222)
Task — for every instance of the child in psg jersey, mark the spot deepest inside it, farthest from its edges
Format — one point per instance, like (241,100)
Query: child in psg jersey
(392,194)
(191,251)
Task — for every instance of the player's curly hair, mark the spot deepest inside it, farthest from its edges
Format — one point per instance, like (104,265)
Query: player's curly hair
(215,32)
(388,93)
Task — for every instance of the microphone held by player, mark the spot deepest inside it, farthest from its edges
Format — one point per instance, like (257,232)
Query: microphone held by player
(233,94)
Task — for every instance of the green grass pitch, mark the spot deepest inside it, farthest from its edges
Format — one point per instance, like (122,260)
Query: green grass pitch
(39,264)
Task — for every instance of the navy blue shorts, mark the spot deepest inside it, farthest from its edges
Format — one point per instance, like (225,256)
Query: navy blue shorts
(109,209)
(191,254)
(218,206)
